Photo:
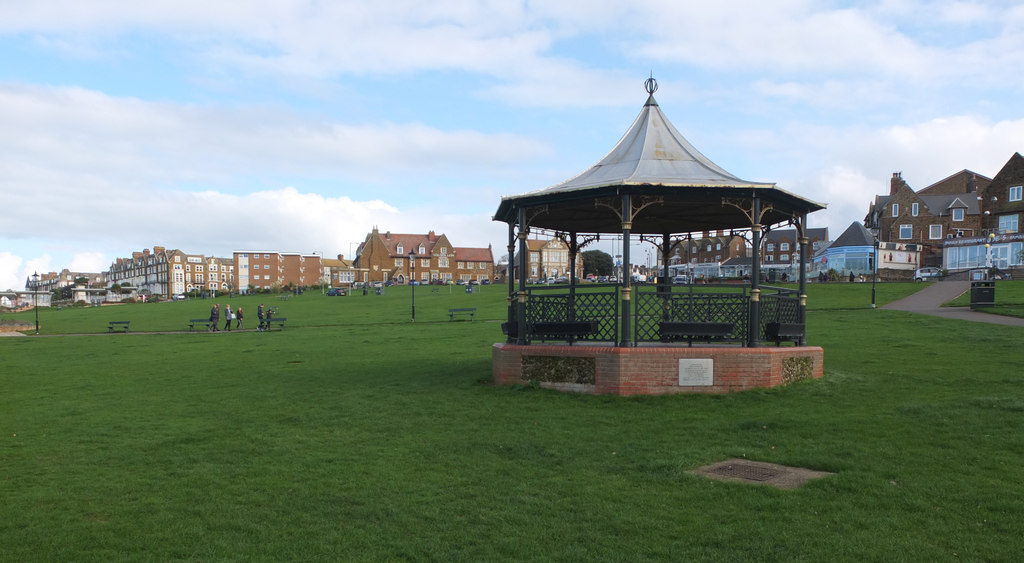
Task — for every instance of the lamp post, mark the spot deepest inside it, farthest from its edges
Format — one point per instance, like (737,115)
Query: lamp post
(35,297)
(874,278)
(412,278)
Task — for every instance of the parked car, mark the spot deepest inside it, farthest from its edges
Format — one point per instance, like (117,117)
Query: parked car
(927,274)
(474,282)
(679,280)
(485,281)
(178,297)
(336,292)
(461,282)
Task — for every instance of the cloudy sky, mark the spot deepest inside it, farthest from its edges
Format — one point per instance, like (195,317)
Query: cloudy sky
(298,125)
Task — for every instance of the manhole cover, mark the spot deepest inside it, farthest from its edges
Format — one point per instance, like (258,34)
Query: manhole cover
(745,471)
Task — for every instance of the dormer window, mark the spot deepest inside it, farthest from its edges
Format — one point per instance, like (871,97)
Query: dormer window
(958,213)
(400,250)
(423,250)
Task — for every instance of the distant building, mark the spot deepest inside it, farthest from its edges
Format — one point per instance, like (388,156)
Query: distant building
(53,281)
(949,208)
(165,272)
(269,270)
(387,256)
(708,249)
(341,272)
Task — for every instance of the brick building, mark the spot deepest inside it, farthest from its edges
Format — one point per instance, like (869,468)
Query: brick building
(708,249)
(386,256)
(949,208)
(779,246)
(165,272)
(271,270)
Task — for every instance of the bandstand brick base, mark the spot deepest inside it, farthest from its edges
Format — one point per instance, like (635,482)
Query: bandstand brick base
(652,370)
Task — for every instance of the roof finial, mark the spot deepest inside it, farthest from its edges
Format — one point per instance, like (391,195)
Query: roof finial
(651,85)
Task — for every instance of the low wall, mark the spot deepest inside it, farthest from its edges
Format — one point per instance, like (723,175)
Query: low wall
(653,370)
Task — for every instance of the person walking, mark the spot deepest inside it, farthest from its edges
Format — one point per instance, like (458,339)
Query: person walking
(238,315)
(227,317)
(214,317)
(259,315)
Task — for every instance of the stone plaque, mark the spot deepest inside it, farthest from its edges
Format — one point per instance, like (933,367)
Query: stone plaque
(696,372)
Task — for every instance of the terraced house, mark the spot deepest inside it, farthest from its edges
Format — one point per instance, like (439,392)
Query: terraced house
(165,272)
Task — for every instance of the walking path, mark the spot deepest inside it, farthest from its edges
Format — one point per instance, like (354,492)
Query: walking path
(929,301)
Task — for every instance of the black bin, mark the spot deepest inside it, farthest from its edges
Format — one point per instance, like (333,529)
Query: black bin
(983,294)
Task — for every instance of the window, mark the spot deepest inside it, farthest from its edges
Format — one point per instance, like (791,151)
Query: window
(784,247)
(718,246)
(958,214)
(895,210)
(399,261)
(784,258)
(913,209)
(1008,223)
(769,258)
(425,262)
(934,232)
(906,232)
(266,266)
(256,277)
(400,250)
(1015,193)
(442,262)
(266,257)
(460,265)
(771,247)
(422,250)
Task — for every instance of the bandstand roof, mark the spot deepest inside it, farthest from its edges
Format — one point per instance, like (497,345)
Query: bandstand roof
(653,160)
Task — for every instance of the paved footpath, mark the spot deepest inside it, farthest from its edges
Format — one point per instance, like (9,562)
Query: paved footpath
(929,301)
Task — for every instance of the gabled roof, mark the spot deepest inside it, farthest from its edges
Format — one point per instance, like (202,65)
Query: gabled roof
(940,205)
(854,235)
(474,254)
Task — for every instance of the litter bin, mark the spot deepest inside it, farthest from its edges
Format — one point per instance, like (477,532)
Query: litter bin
(983,294)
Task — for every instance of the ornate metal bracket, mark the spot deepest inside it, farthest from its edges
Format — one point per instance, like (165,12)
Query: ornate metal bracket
(747,207)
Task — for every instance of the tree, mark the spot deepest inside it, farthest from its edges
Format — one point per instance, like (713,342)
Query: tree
(597,262)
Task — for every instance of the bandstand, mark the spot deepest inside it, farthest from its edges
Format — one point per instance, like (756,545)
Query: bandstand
(627,338)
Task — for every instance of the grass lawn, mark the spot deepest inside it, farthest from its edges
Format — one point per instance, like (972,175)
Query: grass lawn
(1009,299)
(355,434)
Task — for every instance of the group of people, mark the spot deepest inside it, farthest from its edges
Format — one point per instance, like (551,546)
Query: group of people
(235,316)
(229,317)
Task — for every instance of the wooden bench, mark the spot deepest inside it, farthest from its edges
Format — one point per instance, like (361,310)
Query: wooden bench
(193,322)
(465,311)
(784,331)
(265,325)
(563,330)
(117,325)
(702,331)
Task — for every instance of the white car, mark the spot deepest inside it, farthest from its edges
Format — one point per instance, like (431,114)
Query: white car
(679,280)
(927,274)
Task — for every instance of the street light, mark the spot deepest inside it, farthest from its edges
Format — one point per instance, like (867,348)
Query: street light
(874,277)
(412,278)
(35,297)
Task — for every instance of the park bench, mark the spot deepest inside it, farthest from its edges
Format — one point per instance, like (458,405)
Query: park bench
(702,331)
(563,330)
(265,326)
(465,311)
(784,331)
(193,322)
(117,325)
